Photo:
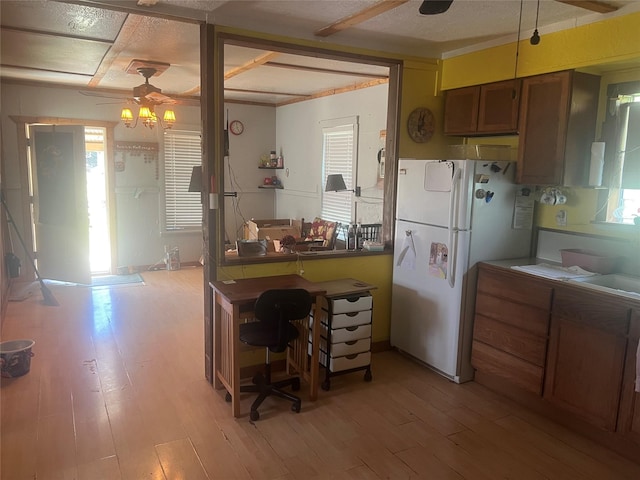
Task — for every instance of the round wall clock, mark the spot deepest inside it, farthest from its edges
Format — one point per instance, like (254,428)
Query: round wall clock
(421,125)
(236,127)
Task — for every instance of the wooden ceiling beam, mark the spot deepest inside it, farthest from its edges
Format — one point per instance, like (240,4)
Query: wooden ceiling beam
(593,5)
(359,17)
(251,64)
(323,70)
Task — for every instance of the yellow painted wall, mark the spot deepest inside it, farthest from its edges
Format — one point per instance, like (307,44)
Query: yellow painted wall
(374,269)
(611,40)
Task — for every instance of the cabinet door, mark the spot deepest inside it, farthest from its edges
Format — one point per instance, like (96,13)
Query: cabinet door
(461,111)
(585,363)
(499,106)
(544,110)
(629,418)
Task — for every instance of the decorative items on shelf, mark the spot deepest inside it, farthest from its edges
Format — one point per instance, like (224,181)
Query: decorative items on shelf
(271,182)
(271,160)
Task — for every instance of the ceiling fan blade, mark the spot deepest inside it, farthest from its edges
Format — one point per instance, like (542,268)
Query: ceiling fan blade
(358,17)
(593,5)
(434,7)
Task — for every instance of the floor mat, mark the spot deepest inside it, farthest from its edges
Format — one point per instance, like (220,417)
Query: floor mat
(107,280)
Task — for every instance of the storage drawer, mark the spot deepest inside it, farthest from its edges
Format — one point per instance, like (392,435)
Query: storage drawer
(344,348)
(512,369)
(509,339)
(515,287)
(345,363)
(351,304)
(526,317)
(344,320)
(345,334)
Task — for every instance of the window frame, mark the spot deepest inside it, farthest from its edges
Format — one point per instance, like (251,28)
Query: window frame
(330,201)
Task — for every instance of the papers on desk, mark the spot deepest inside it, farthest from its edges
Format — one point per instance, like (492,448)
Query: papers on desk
(553,271)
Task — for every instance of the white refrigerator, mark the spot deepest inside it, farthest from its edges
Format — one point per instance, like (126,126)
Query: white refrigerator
(449,216)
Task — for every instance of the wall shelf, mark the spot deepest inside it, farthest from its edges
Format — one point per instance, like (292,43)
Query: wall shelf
(272,187)
(271,168)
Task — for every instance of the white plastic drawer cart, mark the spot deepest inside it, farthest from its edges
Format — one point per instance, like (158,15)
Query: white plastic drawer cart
(346,320)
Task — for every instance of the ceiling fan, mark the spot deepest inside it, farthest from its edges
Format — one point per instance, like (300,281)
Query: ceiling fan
(147,94)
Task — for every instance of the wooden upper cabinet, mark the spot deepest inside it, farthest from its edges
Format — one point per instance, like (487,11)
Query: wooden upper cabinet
(557,126)
(461,111)
(490,109)
(499,106)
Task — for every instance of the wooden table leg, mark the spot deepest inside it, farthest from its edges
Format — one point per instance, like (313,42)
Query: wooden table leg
(235,361)
(217,340)
(314,368)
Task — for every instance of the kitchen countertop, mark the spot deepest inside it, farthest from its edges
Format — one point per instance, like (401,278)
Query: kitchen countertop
(527,261)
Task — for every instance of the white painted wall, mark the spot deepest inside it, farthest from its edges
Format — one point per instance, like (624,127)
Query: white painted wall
(139,236)
(241,171)
(299,135)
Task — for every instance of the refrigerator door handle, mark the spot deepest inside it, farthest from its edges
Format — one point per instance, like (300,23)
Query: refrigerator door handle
(453,227)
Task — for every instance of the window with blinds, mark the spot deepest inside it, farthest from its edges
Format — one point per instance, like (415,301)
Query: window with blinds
(182,152)
(339,157)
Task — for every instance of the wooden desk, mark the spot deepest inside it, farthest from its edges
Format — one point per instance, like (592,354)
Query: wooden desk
(233,301)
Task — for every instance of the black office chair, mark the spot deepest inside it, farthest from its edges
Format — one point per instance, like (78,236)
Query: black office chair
(275,309)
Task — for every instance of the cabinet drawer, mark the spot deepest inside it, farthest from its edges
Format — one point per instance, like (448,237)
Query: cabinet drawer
(593,310)
(351,304)
(344,348)
(338,364)
(515,287)
(349,334)
(346,334)
(343,320)
(526,317)
(523,374)
(509,339)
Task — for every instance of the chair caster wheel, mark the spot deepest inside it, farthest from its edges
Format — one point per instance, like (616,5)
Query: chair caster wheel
(254,415)
(296,407)
(326,385)
(227,397)
(295,386)
(367,376)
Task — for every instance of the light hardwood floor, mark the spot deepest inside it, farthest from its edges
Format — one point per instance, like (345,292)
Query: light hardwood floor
(117,391)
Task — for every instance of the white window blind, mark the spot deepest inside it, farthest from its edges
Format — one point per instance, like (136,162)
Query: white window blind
(182,152)
(339,156)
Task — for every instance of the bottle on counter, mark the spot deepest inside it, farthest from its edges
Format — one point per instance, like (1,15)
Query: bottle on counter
(359,237)
(351,238)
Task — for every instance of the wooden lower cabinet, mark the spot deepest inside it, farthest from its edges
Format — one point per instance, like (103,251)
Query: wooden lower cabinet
(586,355)
(629,417)
(582,373)
(510,328)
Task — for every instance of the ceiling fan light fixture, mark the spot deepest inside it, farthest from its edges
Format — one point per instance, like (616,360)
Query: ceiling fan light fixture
(169,118)
(127,117)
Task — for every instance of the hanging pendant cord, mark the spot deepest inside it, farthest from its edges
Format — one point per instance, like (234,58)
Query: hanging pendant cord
(515,73)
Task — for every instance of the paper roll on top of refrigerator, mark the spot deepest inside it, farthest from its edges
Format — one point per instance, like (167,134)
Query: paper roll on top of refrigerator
(450,214)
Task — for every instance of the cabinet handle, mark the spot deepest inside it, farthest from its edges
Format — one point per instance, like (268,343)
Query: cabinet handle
(352,329)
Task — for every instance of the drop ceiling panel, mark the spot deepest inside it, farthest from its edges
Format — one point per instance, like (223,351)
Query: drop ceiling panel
(43,76)
(65,19)
(45,52)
